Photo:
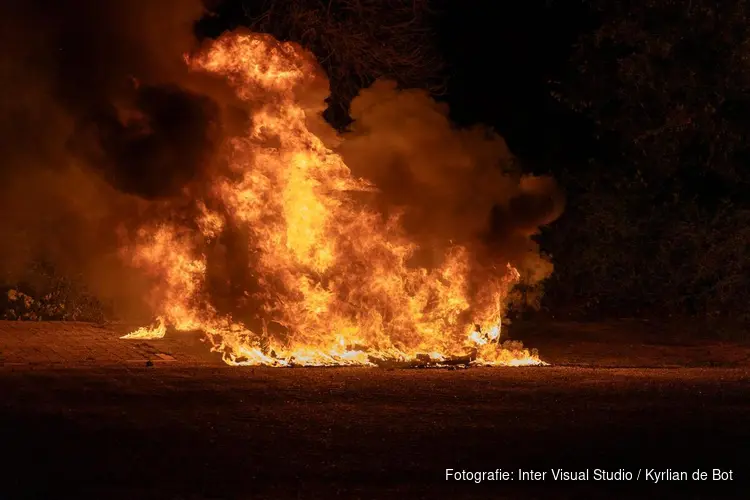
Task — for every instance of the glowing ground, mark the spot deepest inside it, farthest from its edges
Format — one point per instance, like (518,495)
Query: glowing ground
(184,428)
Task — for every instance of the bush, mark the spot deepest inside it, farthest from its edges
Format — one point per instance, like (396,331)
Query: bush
(44,295)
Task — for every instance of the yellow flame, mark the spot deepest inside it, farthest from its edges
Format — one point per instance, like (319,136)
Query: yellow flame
(157,331)
(336,280)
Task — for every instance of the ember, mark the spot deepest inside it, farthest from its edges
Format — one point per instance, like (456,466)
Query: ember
(331,278)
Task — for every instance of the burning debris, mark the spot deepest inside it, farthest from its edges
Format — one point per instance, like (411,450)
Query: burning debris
(157,331)
(386,265)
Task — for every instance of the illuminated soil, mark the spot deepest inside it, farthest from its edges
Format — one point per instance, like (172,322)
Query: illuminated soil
(175,430)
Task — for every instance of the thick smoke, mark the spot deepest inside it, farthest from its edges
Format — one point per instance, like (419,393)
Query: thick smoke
(101,123)
(453,186)
(93,119)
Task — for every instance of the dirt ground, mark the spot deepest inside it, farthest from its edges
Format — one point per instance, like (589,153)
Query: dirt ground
(99,423)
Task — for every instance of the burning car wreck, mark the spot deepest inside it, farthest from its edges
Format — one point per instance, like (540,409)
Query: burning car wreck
(357,248)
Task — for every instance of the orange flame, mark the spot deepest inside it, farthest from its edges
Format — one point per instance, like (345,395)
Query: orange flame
(158,331)
(337,285)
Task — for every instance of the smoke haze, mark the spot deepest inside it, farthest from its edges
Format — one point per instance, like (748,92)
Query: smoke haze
(91,120)
(101,124)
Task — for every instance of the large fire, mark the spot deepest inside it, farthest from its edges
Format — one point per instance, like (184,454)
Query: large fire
(334,279)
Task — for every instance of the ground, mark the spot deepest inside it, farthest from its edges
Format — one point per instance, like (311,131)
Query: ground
(82,414)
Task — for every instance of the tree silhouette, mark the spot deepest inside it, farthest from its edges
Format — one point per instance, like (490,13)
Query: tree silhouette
(662,221)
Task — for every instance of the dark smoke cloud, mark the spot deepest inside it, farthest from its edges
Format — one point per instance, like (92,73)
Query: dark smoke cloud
(153,146)
(93,118)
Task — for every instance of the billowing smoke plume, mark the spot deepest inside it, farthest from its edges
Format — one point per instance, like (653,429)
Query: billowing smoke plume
(93,118)
(456,186)
(102,124)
